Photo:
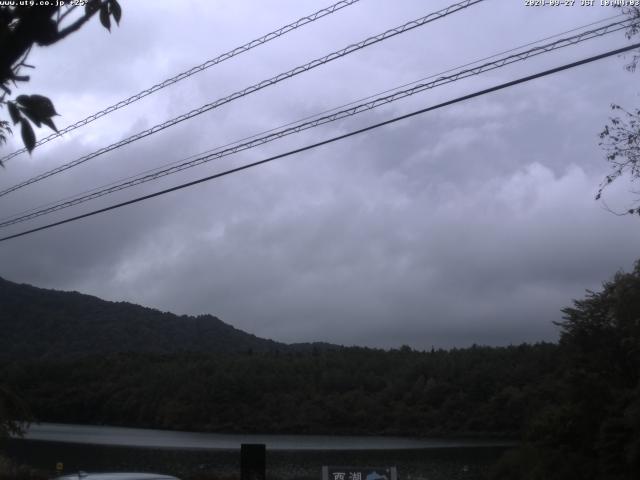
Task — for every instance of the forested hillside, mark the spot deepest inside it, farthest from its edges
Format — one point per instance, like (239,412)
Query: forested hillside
(77,358)
(40,323)
(588,428)
(575,405)
(477,390)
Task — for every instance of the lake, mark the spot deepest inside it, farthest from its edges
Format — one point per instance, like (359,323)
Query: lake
(188,454)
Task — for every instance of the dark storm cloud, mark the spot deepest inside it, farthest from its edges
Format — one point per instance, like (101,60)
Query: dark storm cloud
(474,223)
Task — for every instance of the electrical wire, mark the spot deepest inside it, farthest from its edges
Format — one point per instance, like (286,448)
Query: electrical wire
(330,140)
(254,88)
(192,71)
(222,152)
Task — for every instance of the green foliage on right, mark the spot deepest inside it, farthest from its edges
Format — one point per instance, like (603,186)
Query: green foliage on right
(620,138)
(590,427)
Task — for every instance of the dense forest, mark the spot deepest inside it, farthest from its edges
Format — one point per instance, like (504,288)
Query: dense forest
(575,406)
(353,390)
(589,425)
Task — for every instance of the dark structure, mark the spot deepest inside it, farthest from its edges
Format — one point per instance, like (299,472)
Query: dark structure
(253,461)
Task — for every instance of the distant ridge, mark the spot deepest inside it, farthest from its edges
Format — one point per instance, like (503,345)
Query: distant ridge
(38,323)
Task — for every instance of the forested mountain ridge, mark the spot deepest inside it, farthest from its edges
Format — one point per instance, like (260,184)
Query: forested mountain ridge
(575,405)
(76,358)
(38,323)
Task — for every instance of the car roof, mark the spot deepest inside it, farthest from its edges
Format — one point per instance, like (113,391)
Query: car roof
(116,476)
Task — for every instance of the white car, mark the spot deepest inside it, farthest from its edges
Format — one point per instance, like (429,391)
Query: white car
(116,476)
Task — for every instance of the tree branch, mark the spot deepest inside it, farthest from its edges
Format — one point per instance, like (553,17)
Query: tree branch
(71,28)
(69,10)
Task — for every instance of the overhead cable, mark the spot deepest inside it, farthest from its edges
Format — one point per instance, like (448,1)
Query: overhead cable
(192,71)
(254,88)
(354,110)
(328,141)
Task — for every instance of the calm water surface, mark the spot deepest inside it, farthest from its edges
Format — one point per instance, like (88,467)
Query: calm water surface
(138,437)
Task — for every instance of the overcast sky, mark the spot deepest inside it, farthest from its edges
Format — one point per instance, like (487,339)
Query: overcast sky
(471,224)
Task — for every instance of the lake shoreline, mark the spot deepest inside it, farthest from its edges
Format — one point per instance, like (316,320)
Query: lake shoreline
(285,450)
(170,439)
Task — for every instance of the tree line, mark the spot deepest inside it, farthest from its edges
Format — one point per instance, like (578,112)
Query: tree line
(472,391)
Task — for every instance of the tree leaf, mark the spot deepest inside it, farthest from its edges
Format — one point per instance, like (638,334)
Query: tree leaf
(46,32)
(91,7)
(28,137)
(49,123)
(116,11)
(37,108)
(104,16)
(45,105)
(42,106)
(13,112)
(31,115)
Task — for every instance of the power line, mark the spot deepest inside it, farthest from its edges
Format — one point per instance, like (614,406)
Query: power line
(254,88)
(222,152)
(192,71)
(333,109)
(300,120)
(330,140)
(353,102)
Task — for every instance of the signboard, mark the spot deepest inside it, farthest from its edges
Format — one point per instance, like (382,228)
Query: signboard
(359,473)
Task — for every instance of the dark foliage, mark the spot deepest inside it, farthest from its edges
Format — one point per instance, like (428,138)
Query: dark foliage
(620,137)
(14,413)
(479,390)
(589,427)
(10,471)
(21,28)
(76,358)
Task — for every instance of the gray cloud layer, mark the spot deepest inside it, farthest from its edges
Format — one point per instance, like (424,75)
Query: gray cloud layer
(475,223)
